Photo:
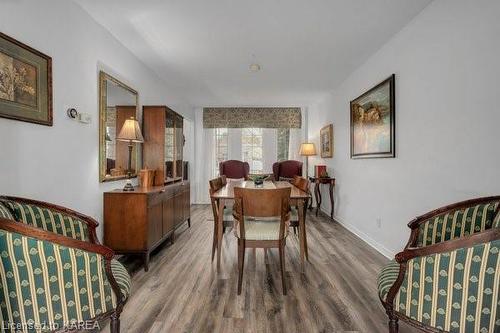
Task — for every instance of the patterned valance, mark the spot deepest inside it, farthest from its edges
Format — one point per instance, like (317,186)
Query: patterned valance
(252,117)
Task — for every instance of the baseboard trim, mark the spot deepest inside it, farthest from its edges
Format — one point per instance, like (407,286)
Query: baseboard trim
(364,237)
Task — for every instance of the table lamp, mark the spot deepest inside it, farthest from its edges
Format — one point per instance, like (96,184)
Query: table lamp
(131,133)
(307,149)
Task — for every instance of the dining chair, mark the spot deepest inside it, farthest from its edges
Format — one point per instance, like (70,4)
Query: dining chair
(215,185)
(261,221)
(234,169)
(302,184)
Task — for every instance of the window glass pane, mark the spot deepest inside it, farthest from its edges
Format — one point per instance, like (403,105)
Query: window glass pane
(251,148)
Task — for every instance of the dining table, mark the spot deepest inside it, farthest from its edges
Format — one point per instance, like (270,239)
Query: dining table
(298,198)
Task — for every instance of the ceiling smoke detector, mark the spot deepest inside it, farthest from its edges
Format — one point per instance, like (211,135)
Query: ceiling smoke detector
(254,68)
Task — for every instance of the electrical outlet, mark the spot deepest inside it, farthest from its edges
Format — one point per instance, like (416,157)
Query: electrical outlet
(379,222)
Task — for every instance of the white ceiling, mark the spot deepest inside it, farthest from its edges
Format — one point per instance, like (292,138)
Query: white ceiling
(204,47)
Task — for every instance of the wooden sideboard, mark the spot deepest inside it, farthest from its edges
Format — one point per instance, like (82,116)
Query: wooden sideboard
(137,222)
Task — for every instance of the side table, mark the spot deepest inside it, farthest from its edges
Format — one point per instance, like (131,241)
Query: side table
(317,193)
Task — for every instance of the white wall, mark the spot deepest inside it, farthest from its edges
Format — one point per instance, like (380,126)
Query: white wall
(447,122)
(59,164)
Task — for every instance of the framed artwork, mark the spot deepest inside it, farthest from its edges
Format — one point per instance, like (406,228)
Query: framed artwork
(326,141)
(25,82)
(373,122)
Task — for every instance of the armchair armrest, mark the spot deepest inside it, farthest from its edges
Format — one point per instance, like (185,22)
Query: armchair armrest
(471,240)
(89,221)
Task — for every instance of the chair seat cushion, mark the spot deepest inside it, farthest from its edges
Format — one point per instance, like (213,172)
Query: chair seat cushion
(387,277)
(121,276)
(261,228)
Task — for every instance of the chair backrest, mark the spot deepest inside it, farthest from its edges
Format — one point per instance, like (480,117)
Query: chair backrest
(287,169)
(458,220)
(262,202)
(48,217)
(234,169)
(301,183)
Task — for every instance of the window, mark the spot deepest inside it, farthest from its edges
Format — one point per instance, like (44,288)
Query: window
(283,142)
(251,148)
(220,147)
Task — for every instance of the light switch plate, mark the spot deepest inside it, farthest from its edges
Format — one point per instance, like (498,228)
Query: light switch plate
(84,118)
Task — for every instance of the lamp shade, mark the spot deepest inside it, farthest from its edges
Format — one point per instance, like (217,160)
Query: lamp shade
(130,131)
(307,149)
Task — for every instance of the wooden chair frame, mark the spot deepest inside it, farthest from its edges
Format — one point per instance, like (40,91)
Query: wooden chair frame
(91,246)
(411,250)
(263,203)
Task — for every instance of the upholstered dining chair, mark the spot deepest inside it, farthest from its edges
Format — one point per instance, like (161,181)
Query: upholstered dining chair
(261,221)
(302,184)
(447,279)
(215,185)
(286,170)
(54,272)
(234,169)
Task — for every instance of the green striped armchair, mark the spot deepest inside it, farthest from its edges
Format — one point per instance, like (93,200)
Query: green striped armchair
(54,275)
(447,279)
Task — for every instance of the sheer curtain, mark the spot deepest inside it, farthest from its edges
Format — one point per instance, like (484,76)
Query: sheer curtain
(294,144)
(205,157)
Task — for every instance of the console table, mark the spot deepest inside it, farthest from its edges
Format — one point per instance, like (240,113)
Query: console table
(317,193)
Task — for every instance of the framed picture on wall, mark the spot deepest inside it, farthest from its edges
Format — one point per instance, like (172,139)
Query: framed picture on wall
(373,122)
(326,141)
(25,82)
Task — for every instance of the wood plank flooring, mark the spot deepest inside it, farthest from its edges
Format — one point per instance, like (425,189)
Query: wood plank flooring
(182,291)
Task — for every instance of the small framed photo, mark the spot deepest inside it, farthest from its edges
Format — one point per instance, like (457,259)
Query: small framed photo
(326,141)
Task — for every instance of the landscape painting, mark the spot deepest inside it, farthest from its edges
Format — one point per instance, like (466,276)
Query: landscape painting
(326,141)
(373,122)
(25,83)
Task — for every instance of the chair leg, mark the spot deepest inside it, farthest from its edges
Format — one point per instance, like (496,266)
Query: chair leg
(214,242)
(295,230)
(241,262)
(282,264)
(393,323)
(189,222)
(115,323)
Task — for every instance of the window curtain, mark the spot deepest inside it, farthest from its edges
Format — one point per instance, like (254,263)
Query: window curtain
(204,157)
(252,117)
(295,140)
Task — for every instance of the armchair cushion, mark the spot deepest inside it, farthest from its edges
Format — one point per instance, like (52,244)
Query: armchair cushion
(44,282)
(456,224)
(5,212)
(121,276)
(387,277)
(50,220)
(454,291)
(261,228)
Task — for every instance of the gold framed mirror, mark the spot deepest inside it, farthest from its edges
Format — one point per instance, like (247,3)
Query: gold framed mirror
(117,103)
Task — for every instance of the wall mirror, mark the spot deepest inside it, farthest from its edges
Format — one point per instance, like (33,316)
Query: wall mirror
(117,102)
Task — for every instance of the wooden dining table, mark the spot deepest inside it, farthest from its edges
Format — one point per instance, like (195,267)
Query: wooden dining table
(297,197)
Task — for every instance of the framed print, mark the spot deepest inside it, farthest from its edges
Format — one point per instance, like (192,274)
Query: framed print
(326,141)
(25,82)
(373,122)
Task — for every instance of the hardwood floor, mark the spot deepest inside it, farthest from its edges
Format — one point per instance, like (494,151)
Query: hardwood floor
(182,291)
